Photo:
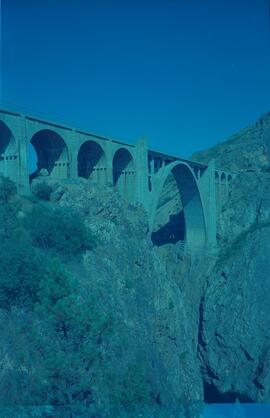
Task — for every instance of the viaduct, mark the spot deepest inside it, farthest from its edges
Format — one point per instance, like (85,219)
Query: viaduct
(138,173)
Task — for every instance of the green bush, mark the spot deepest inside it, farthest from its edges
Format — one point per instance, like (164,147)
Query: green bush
(70,339)
(42,190)
(7,189)
(60,229)
(22,268)
(9,208)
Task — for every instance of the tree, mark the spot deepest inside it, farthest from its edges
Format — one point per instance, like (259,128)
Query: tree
(9,207)
(22,268)
(71,332)
(60,229)
(7,189)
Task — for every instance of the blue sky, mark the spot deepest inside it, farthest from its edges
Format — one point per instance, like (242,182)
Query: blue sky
(185,74)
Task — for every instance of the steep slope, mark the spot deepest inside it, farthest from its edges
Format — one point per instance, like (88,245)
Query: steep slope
(148,304)
(234,331)
(247,149)
(143,359)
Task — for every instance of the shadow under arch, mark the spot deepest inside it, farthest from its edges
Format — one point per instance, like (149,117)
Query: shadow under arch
(191,219)
(91,160)
(8,152)
(124,173)
(52,154)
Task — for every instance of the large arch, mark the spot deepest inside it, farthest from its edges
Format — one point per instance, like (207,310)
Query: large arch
(8,153)
(124,173)
(52,154)
(92,162)
(191,216)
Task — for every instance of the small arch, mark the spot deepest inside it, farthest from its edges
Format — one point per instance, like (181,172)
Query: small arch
(51,152)
(8,153)
(92,162)
(190,219)
(124,173)
(223,178)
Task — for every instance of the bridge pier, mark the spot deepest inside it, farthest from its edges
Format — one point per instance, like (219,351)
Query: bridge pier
(73,151)
(208,193)
(21,135)
(141,164)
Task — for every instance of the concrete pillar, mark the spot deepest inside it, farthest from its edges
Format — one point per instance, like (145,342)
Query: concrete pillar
(20,132)
(217,183)
(141,169)
(109,162)
(208,194)
(73,151)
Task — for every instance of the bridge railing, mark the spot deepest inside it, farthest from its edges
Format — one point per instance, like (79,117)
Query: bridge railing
(60,123)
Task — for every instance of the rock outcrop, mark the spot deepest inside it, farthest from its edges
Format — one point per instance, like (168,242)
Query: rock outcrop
(234,329)
(154,333)
(248,149)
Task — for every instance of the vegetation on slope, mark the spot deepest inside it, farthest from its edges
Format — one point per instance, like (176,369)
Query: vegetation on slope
(54,331)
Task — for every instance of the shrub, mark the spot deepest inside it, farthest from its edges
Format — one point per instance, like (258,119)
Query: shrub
(9,207)
(42,190)
(60,229)
(22,268)
(7,189)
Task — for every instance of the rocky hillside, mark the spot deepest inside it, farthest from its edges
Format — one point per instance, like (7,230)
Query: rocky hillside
(107,331)
(234,330)
(247,149)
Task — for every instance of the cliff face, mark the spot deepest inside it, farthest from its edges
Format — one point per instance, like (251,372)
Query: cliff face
(226,296)
(233,343)
(153,336)
(234,314)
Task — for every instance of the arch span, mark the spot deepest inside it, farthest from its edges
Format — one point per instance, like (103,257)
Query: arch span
(52,154)
(8,152)
(192,207)
(92,162)
(124,173)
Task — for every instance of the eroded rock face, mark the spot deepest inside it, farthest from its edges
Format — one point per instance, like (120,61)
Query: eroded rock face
(234,326)
(153,331)
(234,330)
(247,207)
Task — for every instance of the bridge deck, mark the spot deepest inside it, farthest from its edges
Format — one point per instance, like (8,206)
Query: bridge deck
(151,152)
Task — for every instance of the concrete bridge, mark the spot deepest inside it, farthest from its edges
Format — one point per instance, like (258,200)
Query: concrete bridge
(137,173)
